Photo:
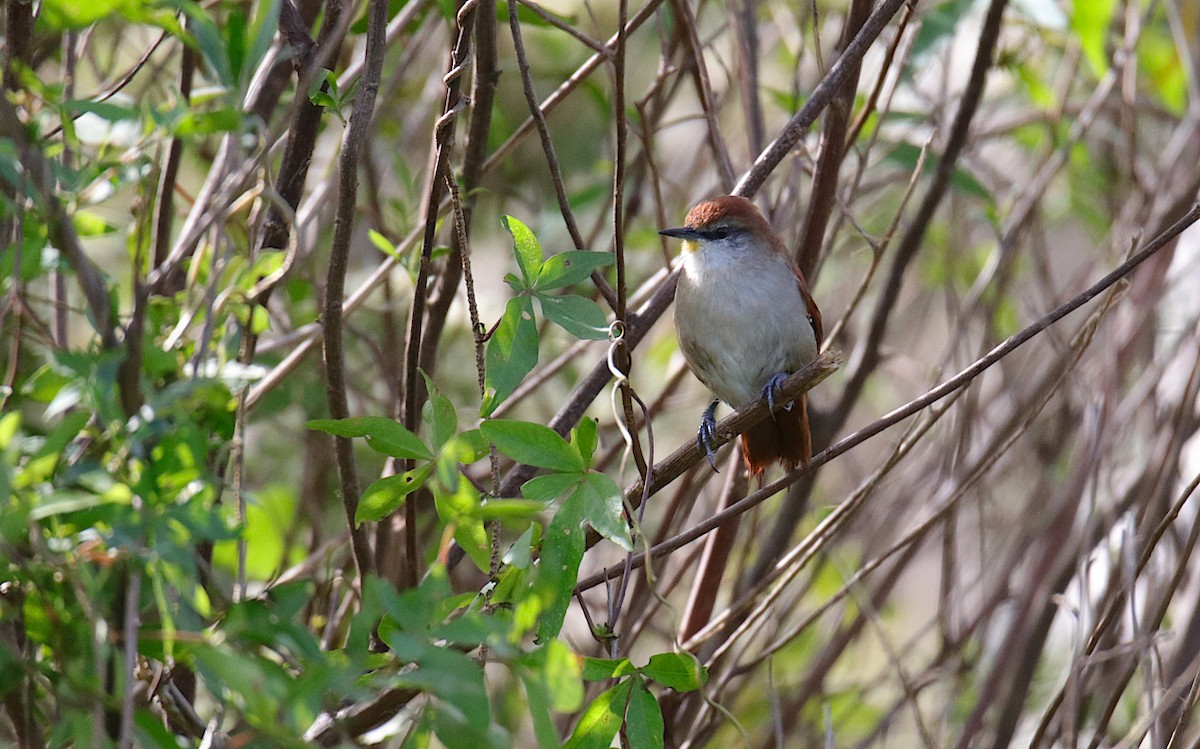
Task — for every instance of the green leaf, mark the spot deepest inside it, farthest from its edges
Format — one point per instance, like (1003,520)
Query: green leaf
(602,669)
(439,414)
(383,435)
(679,671)
(462,510)
(265,24)
(644,719)
(381,242)
(509,509)
(549,487)
(558,569)
(568,268)
(105,110)
(938,25)
(603,508)
(454,677)
(601,721)
(563,677)
(512,352)
(1091,22)
(60,15)
(538,696)
(526,248)
(532,444)
(385,496)
(580,317)
(196,124)
(519,555)
(212,47)
(908,156)
(583,438)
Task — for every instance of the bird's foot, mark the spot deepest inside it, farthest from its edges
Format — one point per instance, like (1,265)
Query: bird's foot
(771,388)
(707,433)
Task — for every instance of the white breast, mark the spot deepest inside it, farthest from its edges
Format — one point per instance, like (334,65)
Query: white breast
(743,319)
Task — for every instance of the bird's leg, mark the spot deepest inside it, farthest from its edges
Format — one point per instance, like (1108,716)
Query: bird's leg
(707,433)
(771,388)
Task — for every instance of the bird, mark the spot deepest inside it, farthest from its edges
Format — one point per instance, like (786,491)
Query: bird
(745,320)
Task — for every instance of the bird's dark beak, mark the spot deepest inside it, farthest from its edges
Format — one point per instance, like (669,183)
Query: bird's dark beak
(682,233)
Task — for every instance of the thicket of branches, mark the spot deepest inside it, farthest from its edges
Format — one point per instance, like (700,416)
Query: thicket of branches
(341,403)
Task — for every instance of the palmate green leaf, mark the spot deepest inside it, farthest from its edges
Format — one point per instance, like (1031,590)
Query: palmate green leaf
(643,718)
(580,317)
(512,352)
(679,671)
(532,444)
(601,721)
(526,248)
(386,436)
(385,496)
(567,268)
(603,508)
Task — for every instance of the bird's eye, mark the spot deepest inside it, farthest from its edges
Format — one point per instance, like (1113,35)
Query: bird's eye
(722,233)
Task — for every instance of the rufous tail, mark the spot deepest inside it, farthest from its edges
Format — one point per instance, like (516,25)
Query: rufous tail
(783,439)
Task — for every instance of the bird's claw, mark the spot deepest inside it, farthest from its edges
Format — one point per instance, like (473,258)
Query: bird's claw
(707,433)
(773,386)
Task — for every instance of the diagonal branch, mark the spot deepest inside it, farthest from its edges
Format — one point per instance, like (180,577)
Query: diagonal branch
(960,380)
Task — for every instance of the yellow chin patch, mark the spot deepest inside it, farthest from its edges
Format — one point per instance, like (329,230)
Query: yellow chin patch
(690,245)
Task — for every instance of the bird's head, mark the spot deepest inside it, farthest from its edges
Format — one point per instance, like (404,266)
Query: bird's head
(731,222)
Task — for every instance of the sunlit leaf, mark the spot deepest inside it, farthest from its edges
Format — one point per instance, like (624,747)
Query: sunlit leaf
(526,248)
(384,496)
(512,352)
(600,722)
(567,268)
(679,671)
(383,435)
(580,317)
(532,444)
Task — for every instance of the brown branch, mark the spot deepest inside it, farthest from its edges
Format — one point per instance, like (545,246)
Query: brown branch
(306,121)
(444,139)
(39,176)
(18,39)
(956,382)
(820,98)
(483,94)
(833,149)
(744,25)
(691,42)
(335,367)
(309,337)
(866,356)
